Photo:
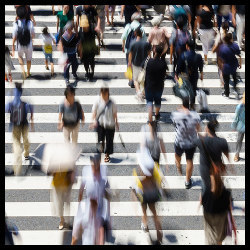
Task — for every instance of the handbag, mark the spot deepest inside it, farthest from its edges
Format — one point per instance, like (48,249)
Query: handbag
(128,74)
(142,74)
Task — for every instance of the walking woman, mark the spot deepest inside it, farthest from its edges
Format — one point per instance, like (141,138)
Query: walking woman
(105,121)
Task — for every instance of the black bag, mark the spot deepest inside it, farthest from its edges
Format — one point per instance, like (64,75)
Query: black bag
(18,115)
(79,116)
(183,91)
(130,38)
(23,34)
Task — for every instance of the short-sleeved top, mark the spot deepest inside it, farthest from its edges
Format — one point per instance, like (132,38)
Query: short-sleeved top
(206,19)
(63,19)
(216,205)
(69,42)
(179,39)
(185,128)
(106,119)
(21,23)
(227,54)
(241,9)
(155,74)
(139,51)
(158,35)
(71,114)
(47,42)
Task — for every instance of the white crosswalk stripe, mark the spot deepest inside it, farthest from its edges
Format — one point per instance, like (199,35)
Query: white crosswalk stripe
(27,203)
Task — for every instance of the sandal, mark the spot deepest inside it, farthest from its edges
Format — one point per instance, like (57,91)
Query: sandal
(236,158)
(106,159)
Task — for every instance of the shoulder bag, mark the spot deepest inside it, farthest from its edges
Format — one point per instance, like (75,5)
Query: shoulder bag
(142,74)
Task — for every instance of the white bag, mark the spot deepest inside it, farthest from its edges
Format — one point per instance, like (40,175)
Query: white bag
(142,74)
(202,99)
(62,60)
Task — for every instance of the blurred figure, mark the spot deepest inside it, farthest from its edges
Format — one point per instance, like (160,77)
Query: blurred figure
(147,190)
(10,230)
(190,62)
(23,33)
(183,11)
(8,64)
(107,9)
(227,54)
(105,121)
(205,19)
(29,14)
(143,9)
(128,11)
(139,51)
(187,124)
(223,11)
(211,148)
(101,14)
(18,121)
(90,221)
(68,45)
(154,82)
(70,114)
(159,35)
(47,40)
(239,125)
(238,20)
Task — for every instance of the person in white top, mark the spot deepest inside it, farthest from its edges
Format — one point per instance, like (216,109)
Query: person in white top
(105,121)
(23,33)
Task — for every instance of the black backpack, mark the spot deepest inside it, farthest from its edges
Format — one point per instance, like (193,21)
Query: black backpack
(79,116)
(131,37)
(23,34)
(18,115)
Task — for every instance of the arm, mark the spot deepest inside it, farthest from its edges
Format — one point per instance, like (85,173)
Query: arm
(171,53)
(97,28)
(33,19)
(130,59)
(83,118)
(201,68)
(94,122)
(239,61)
(81,192)
(77,23)
(234,15)
(31,118)
(13,46)
(60,47)
(57,24)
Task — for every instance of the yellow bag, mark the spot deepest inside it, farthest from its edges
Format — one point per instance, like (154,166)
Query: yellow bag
(48,48)
(128,74)
(157,174)
(139,192)
(84,22)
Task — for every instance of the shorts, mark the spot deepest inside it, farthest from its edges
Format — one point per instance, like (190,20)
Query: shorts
(188,152)
(48,56)
(153,96)
(136,70)
(25,50)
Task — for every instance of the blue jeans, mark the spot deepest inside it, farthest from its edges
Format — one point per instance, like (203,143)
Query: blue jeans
(72,60)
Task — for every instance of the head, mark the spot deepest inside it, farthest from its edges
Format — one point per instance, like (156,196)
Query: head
(180,22)
(212,127)
(66,8)
(69,26)
(21,12)
(19,88)
(136,16)
(86,6)
(70,94)
(185,103)
(95,163)
(45,30)
(228,38)
(225,26)
(138,32)
(156,21)
(104,92)
(190,44)
(158,50)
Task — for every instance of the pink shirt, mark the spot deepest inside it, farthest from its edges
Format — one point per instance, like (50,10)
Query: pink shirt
(158,35)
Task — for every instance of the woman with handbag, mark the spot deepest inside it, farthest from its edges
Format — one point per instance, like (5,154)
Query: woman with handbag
(105,121)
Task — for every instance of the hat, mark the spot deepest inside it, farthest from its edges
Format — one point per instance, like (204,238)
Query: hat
(136,16)
(157,20)
(145,161)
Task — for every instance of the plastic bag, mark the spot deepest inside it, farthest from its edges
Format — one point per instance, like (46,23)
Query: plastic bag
(128,74)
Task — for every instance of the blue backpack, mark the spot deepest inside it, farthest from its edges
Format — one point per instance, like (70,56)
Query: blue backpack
(18,114)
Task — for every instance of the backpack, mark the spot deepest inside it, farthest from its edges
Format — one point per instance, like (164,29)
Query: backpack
(18,115)
(179,11)
(23,34)
(130,38)
(181,41)
(79,116)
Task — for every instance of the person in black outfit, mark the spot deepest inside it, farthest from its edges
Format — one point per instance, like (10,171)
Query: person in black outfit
(190,62)
(154,82)
(128,11)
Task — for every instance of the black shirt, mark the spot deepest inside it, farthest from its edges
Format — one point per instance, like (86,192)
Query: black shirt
(129,10)
(241,9)
(206,19)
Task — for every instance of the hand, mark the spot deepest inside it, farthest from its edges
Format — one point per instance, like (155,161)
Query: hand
(13,53)
(129,64)
(93,125)
(60,126)
(121,16)
(123,50)
(201,78)
(97,29)
(240,66)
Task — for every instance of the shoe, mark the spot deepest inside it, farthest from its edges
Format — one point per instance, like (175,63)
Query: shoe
(157,117)
(236,157)
(234,92)
(67,81)
(223,94)
(47,68)
(144,228)
(61,226)
(131,84)
(75,77)
(91,76)
(26,158)
(206,62)
(188,185)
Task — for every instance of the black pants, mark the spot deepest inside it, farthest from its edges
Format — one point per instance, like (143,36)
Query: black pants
(194,87)
(226,79)
(108,135)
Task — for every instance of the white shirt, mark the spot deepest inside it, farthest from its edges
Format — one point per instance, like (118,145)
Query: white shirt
(47,39)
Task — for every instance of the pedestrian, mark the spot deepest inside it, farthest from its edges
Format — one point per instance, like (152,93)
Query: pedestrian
(70,114)
(68,44)
(223,11)
(128,36)
(107,9)
(239,125)
(187,124)
(29,14)
(101,14)
(227,54)
(47,40)
(94,212)
(23,33)
(128,11)
(85,19)
(159,35)
(211,149)
(190,62)
(139,51)
(105,121)
(18,122)
(154,82)
(177,11)
(63,17)
(8,64)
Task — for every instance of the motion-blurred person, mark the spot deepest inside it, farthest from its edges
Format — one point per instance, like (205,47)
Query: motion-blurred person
(128,11)
(8,64)
(91,220)
(19,123)
(138,53)
(23,33)
(128,36)
(238,20)
(239,125)
(47,40)
(154,82)
(222,11)
(86,16)
(107,9)
(63,17)
(100,9)
(29,14)
(68,45)
(211,148)
(70,114)
(159,35)
(190,62)
(147,191)
(105,121)
(227,54)
(187,123)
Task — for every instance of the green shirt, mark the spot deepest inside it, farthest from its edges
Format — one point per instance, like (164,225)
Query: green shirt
(63,19)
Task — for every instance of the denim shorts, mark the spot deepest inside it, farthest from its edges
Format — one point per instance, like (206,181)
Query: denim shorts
(48,56)
(153,96)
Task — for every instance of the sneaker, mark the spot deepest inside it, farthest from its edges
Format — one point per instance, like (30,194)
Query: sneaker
(61,226)
(223,94)
(157,117)
(234,92)
(236,158)
(26,158)
(144,228)
(206,62)
(67,81)
(188,185)
(47,68)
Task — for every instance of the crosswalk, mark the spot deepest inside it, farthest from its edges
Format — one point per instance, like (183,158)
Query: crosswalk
(27,198)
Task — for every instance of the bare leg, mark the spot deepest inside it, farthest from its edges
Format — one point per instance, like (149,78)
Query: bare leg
(157,222)
(189,170)
(52,68)
(178,163)
(28,67)
(144,217)
(22,67)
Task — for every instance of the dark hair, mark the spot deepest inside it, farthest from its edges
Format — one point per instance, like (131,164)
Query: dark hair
(213,125)
(104,90)
(45,30)
(228,38)
(180,22)
(159,49)
(210,7)
(218,182)
(7,50)
(138,32)
(191,44)
(225,26)
(21,12)
(18,86)
(185,102)
(69,90)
